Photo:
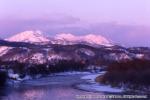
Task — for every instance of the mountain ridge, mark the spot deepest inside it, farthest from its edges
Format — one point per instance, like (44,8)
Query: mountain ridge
(61,38)
(41,50)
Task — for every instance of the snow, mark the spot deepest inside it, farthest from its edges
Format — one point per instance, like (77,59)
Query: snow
(118,56)
(90,38)
(4,50)
(38,58)
(96,87)
(139,56)
(87,52)
(28,36)
(37,36)
(92,76)
(14,76)
(97,39)
(62,38)
(72,73)
(55,56)
(27,77)
(66,36)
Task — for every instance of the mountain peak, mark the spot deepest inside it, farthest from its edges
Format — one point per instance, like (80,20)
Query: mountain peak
(89,38)
(62,38)
(28,36)
(98,39)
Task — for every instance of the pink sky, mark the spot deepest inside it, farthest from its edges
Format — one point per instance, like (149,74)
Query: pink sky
(121,11)
(121,17)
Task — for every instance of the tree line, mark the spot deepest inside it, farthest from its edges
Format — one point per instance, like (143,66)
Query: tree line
(134,74)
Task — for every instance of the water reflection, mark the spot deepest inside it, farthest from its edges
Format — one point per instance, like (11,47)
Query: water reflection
(45,93)
(51,88)
(33,94)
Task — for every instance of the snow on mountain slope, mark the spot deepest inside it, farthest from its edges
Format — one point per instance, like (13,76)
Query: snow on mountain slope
(4,49)
(28,36)
(90,38)
(86,47)
(63,39)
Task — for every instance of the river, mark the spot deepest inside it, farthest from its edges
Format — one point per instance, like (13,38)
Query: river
(53,87)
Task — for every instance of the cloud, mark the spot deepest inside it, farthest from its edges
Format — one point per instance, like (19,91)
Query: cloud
(45,23)
(128,35)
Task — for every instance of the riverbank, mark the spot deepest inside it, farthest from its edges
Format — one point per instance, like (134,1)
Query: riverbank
(92,85)
(132,76)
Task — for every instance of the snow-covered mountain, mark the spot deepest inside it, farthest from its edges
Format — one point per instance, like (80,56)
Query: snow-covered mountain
(62,38)
(34,47)
(29,36)
(90,38)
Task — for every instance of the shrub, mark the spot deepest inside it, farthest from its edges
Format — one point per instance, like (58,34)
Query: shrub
(132,73)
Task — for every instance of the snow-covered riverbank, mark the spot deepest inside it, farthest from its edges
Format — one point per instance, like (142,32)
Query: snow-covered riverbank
(92,85)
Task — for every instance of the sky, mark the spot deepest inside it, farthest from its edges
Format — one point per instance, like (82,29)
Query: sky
(125,22)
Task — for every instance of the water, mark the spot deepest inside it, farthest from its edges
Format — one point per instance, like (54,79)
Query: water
(60,87)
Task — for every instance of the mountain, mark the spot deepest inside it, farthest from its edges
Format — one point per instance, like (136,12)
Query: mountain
(26,37)
(29,36)
(90,38)
(37,37)
(62,38)
(34,48)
